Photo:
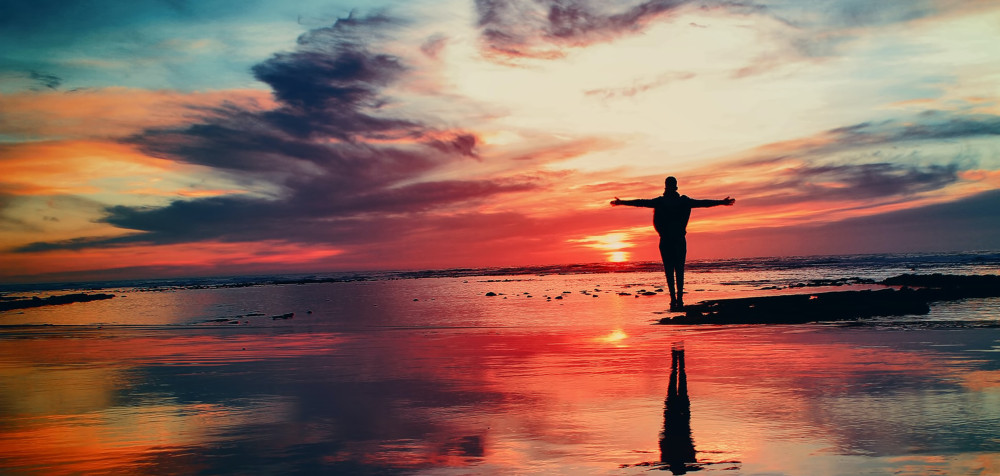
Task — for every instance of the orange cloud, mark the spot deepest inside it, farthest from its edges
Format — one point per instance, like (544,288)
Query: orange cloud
(70,167)
(113,111)
(983,179)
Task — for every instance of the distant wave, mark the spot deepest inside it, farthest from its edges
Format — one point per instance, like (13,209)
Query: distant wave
(843,264)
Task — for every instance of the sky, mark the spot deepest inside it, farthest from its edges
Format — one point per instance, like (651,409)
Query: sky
(162,138)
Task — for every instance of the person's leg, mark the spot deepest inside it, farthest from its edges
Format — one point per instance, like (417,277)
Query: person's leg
(668,269)
(679,263)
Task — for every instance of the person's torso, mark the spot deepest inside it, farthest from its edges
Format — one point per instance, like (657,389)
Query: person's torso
(671,215)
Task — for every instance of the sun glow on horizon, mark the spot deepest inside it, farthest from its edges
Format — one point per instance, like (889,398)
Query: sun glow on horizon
(618,256)
(612,244)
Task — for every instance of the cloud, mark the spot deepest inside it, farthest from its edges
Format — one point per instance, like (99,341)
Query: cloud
(929,125)
(465,237)
(51,114)
(970,223)
(6,221)
(848,14)
(799,182)
(868,160)
(328,94)
(541,29)
(346,169)
(353,150)
(641,86)
(49,81)
(331,68)
(314,213)
(339,164)
(811,31)
(434,44)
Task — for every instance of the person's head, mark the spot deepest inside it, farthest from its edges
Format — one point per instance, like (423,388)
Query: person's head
(670,184)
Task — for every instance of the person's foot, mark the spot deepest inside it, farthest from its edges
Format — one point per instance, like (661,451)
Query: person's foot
(676,306)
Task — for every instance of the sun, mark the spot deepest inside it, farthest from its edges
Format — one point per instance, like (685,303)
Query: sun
(618,256)
(612,244)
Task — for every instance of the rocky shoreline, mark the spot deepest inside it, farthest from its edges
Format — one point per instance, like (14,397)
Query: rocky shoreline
(25,303)
(908,294)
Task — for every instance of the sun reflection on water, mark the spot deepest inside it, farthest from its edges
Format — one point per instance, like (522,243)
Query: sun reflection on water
(616,336)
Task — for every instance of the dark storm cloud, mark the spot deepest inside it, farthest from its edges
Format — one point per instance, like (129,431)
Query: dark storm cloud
(340,165)
(332,67)
(328,88)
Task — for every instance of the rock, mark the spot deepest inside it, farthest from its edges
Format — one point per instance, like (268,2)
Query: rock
(913,298)
(52,300)
(802,308)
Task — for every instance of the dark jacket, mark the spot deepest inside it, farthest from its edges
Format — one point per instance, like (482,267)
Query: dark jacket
(671,212)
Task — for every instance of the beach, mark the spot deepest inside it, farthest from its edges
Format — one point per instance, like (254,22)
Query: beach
(505,373)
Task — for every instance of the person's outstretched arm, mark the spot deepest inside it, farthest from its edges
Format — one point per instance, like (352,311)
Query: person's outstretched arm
(639,202)
(728,201)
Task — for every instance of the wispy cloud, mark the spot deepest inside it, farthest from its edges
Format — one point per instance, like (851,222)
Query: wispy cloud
(639,87)
(543,29)
(864,169)
(969,223)
(49,81)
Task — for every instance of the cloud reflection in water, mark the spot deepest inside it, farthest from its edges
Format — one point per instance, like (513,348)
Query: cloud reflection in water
(528,400)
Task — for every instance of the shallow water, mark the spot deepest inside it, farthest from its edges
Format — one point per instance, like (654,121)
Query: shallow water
(431,376)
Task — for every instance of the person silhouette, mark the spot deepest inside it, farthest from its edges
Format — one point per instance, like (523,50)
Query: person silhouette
(671,212)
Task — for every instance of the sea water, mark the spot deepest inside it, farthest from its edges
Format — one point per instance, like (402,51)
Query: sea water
(544,370)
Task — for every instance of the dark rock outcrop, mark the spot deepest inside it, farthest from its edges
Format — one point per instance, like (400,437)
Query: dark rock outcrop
(36,301)
(913,297)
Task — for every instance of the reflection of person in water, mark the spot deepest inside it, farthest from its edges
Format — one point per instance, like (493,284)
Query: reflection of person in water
(671,212)
(676,445)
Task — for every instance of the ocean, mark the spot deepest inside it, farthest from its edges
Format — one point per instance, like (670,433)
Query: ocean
(532,370)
